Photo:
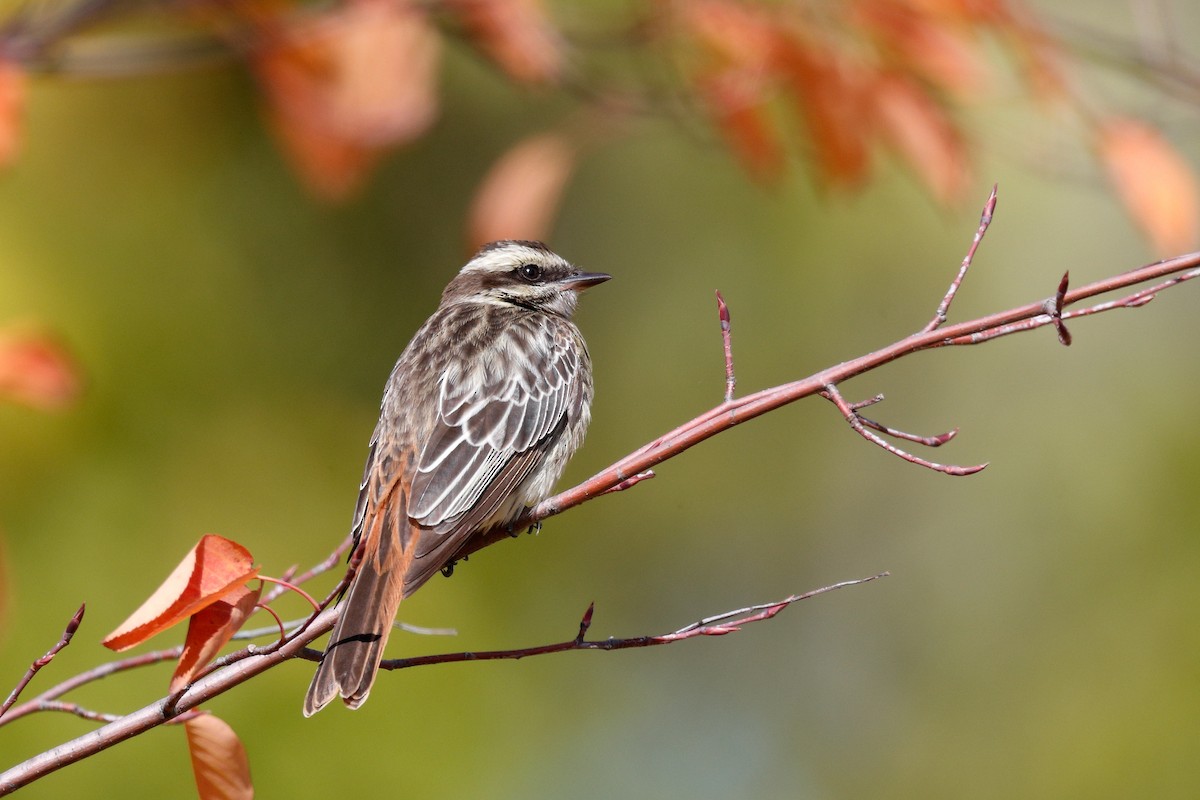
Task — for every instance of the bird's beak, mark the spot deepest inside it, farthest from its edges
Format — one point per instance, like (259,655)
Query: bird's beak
(584,280)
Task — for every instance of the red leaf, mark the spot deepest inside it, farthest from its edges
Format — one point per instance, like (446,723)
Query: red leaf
(386,58)
(736,102)
(209,629)
(1037,56)
(1156,184)
(736,33)
(517,35)
(344,86)
(831,95)
(36,371)
(219,760)
(12,109)
(208,573)
(922,133)
(932,42)
(521,192)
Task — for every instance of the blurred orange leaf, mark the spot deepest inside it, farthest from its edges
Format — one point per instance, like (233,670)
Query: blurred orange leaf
(210,628)
(830,96)
(219,760)
(517,34)
(1156,184)
(742,114)
(521,193)
(12,109)
(1037,54)
(913,123)
(36,371)
(929,42)
(386,57)
(212,570)
(738,34)
(344,86)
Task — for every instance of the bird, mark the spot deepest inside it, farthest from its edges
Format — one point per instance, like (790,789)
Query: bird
(479,417)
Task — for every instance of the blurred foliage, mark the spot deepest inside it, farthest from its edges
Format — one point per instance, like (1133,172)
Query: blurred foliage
(233,337)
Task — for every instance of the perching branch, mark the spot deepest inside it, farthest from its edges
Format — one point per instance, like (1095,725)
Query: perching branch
(238,667)
(1162,275)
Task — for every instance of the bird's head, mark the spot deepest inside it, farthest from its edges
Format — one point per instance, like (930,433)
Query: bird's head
(521,273)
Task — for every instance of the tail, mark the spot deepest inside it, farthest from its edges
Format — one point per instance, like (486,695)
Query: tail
(355,649)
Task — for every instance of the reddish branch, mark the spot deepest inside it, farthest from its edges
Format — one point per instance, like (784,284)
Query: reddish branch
(62,642)
(718,625)
(236,668)
(1166,274)
(83,678)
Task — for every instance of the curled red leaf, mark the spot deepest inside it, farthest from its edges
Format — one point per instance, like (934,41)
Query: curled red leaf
(210,571)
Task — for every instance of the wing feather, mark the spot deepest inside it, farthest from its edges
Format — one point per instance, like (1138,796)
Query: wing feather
(488,416)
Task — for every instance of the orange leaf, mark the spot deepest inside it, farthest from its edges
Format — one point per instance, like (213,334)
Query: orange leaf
(1036,52)
(738,34)
(207,574)
(742,115)
(344,86)
(1156,184)
(921,132)
(517,35)
(830,95)
(12,109)
(386,58)
(36,371)
(521,192)
(219,760)
(929,42)
(209,629)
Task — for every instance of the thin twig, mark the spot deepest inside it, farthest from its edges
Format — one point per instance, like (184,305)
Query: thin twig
(726,331)
(88,676)
(290,586)
(985,219)
(718,625)
(77,710)
(37,665)
(936,440)
(1006,324)
(330,561)
(832,394)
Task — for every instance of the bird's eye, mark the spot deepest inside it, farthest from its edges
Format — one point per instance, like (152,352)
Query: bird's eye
(530,272)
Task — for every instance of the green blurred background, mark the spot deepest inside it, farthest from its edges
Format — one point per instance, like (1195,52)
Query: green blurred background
(1037,637)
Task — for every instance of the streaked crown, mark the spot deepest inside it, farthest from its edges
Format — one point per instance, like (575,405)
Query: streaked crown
(524,274)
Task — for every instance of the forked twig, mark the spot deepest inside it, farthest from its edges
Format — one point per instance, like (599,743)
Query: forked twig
(943,309)
(36,666)
(860,426)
